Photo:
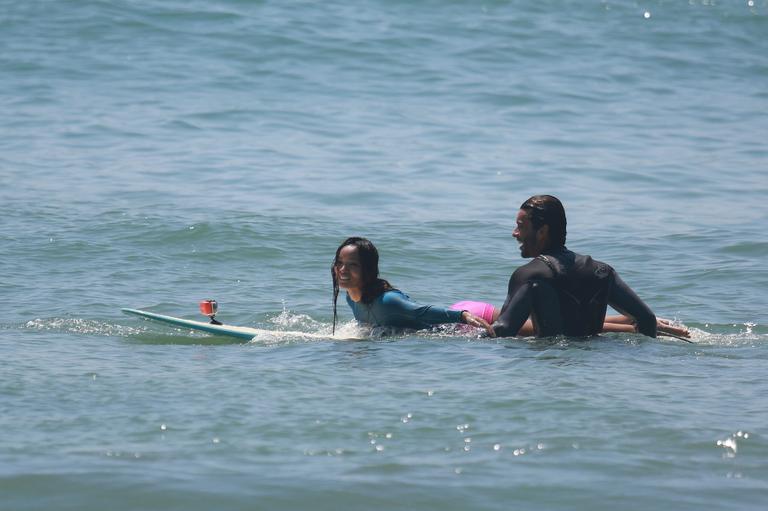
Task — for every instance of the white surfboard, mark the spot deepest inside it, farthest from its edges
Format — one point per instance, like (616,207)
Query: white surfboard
(239,332)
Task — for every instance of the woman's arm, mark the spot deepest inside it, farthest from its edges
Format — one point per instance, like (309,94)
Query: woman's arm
(625,320)
(627,324)
(400,310)
(619,327)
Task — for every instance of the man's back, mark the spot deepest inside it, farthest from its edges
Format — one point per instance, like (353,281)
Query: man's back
(568,293)
(582,286)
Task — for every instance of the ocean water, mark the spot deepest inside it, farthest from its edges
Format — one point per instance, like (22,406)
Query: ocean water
(153,154)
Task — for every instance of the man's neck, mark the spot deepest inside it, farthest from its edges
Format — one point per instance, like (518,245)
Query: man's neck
(554,251)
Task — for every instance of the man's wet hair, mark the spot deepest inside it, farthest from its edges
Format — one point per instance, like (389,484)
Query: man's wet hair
(547,210)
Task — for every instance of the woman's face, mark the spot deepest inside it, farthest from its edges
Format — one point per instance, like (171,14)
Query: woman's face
(349,272)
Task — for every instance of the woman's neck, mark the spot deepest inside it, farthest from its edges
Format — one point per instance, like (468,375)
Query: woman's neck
(355,294)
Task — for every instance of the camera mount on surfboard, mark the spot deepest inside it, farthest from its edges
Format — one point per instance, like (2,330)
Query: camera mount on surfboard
(209,308)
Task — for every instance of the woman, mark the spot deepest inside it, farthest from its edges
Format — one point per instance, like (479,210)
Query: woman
(374,300)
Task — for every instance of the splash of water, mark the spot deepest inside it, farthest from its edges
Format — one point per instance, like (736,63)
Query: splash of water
(82,326)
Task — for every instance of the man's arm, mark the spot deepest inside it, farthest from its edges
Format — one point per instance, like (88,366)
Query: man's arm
(530,294)
(625,301)
(517,307)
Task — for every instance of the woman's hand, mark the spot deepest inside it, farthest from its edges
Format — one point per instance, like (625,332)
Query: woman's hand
(476,321)
(667,326)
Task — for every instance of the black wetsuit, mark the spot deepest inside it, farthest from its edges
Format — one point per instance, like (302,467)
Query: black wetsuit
(567,293)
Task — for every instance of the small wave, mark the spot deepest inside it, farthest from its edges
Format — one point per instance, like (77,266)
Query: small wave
(291,320)
(734,334)
(293,326)
(82,326)
(730,444)
(758,248)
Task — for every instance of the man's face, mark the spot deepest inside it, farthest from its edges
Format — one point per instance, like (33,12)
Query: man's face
(526,235)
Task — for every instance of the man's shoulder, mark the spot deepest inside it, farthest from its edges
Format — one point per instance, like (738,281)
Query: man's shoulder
(563,262)
(533,269)
(586,264)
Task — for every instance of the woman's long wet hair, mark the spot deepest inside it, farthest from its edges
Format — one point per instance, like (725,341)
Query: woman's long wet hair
(373,286)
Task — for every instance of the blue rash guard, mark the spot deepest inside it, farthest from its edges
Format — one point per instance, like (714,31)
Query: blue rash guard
(395,308)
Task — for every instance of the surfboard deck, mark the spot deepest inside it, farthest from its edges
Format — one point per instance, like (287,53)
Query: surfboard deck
(239,332)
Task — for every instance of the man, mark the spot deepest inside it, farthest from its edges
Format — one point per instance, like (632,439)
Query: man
(563,292)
